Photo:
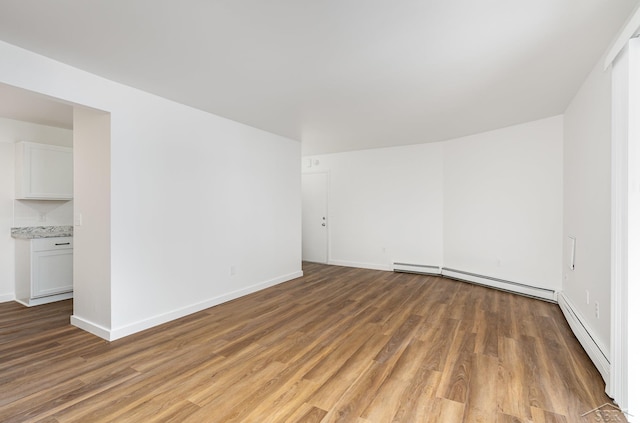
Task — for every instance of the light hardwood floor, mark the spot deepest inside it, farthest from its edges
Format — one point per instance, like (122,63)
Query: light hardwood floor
(339,344)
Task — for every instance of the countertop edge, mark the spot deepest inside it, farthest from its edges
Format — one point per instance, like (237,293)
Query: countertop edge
(35,232)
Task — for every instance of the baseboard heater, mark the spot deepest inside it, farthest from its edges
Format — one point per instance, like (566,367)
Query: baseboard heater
(502,284)
(586,336)
(421,269)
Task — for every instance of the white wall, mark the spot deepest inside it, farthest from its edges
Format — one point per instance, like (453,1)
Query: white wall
(18,212)
(587,202)
(7,188)
(385,205)
(191,195)
(14,130)
(42,213)
(92,232)
(465,204)
(198,194)
(503,203)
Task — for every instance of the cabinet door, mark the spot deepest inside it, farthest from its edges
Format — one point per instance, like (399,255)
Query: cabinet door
(44,171)
(51,272)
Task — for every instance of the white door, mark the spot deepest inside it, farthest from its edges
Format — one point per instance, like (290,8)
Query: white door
(314,217)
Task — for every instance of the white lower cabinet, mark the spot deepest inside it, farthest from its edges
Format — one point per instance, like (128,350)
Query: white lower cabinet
(44,270)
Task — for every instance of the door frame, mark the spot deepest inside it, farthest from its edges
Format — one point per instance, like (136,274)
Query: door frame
(625,240)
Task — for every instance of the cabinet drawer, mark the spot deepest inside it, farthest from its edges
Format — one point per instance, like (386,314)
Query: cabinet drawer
(48,244)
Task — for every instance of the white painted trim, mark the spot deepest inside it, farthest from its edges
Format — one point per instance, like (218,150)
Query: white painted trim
(629,29)
(122,331)
(586,336)
(624,385)
(90,327)
(7,297)
(633,227)
(45,300)
(518,288)
(372,266)
(617,382)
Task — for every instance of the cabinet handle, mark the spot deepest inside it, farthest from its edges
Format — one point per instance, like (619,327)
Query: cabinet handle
(63,243)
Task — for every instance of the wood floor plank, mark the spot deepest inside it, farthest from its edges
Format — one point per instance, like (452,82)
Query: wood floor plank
(482,402)
(457,371)
(339,344)
(314,415)
(393,391)
(513,382)
(445,410)
(544,416)
(339,378)
(354,401)
(419,397)
(440,339)
(506,418)
(286,403)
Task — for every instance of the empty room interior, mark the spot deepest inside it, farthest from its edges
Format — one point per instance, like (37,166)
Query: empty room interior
(331,211)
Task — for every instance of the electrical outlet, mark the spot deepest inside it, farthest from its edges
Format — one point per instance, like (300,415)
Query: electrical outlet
(597,306)
(232,271)
(42,217)
(587,292)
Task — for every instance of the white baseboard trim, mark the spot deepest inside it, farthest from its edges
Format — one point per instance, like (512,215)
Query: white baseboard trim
(502,284)
(370,266)
(7,297)
(91,327)
(122,331)
(30,302)
(586,336)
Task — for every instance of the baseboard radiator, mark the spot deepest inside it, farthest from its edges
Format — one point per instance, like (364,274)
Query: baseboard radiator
(421,269)
(594,347)
(502,284)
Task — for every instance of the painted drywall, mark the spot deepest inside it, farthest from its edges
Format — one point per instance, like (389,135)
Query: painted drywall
(489,204)
(15,130)
(7,251)
(587,203)
(92,225)
(385,205)
(503,203)
(203,209)
(24,212)
(42,213)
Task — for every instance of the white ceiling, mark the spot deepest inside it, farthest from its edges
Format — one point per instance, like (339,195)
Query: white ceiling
(336,74)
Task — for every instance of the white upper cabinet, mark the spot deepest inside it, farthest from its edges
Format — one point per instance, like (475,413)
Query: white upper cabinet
(43,172)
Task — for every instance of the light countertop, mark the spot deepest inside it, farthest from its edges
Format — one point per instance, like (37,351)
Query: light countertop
(32,232)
